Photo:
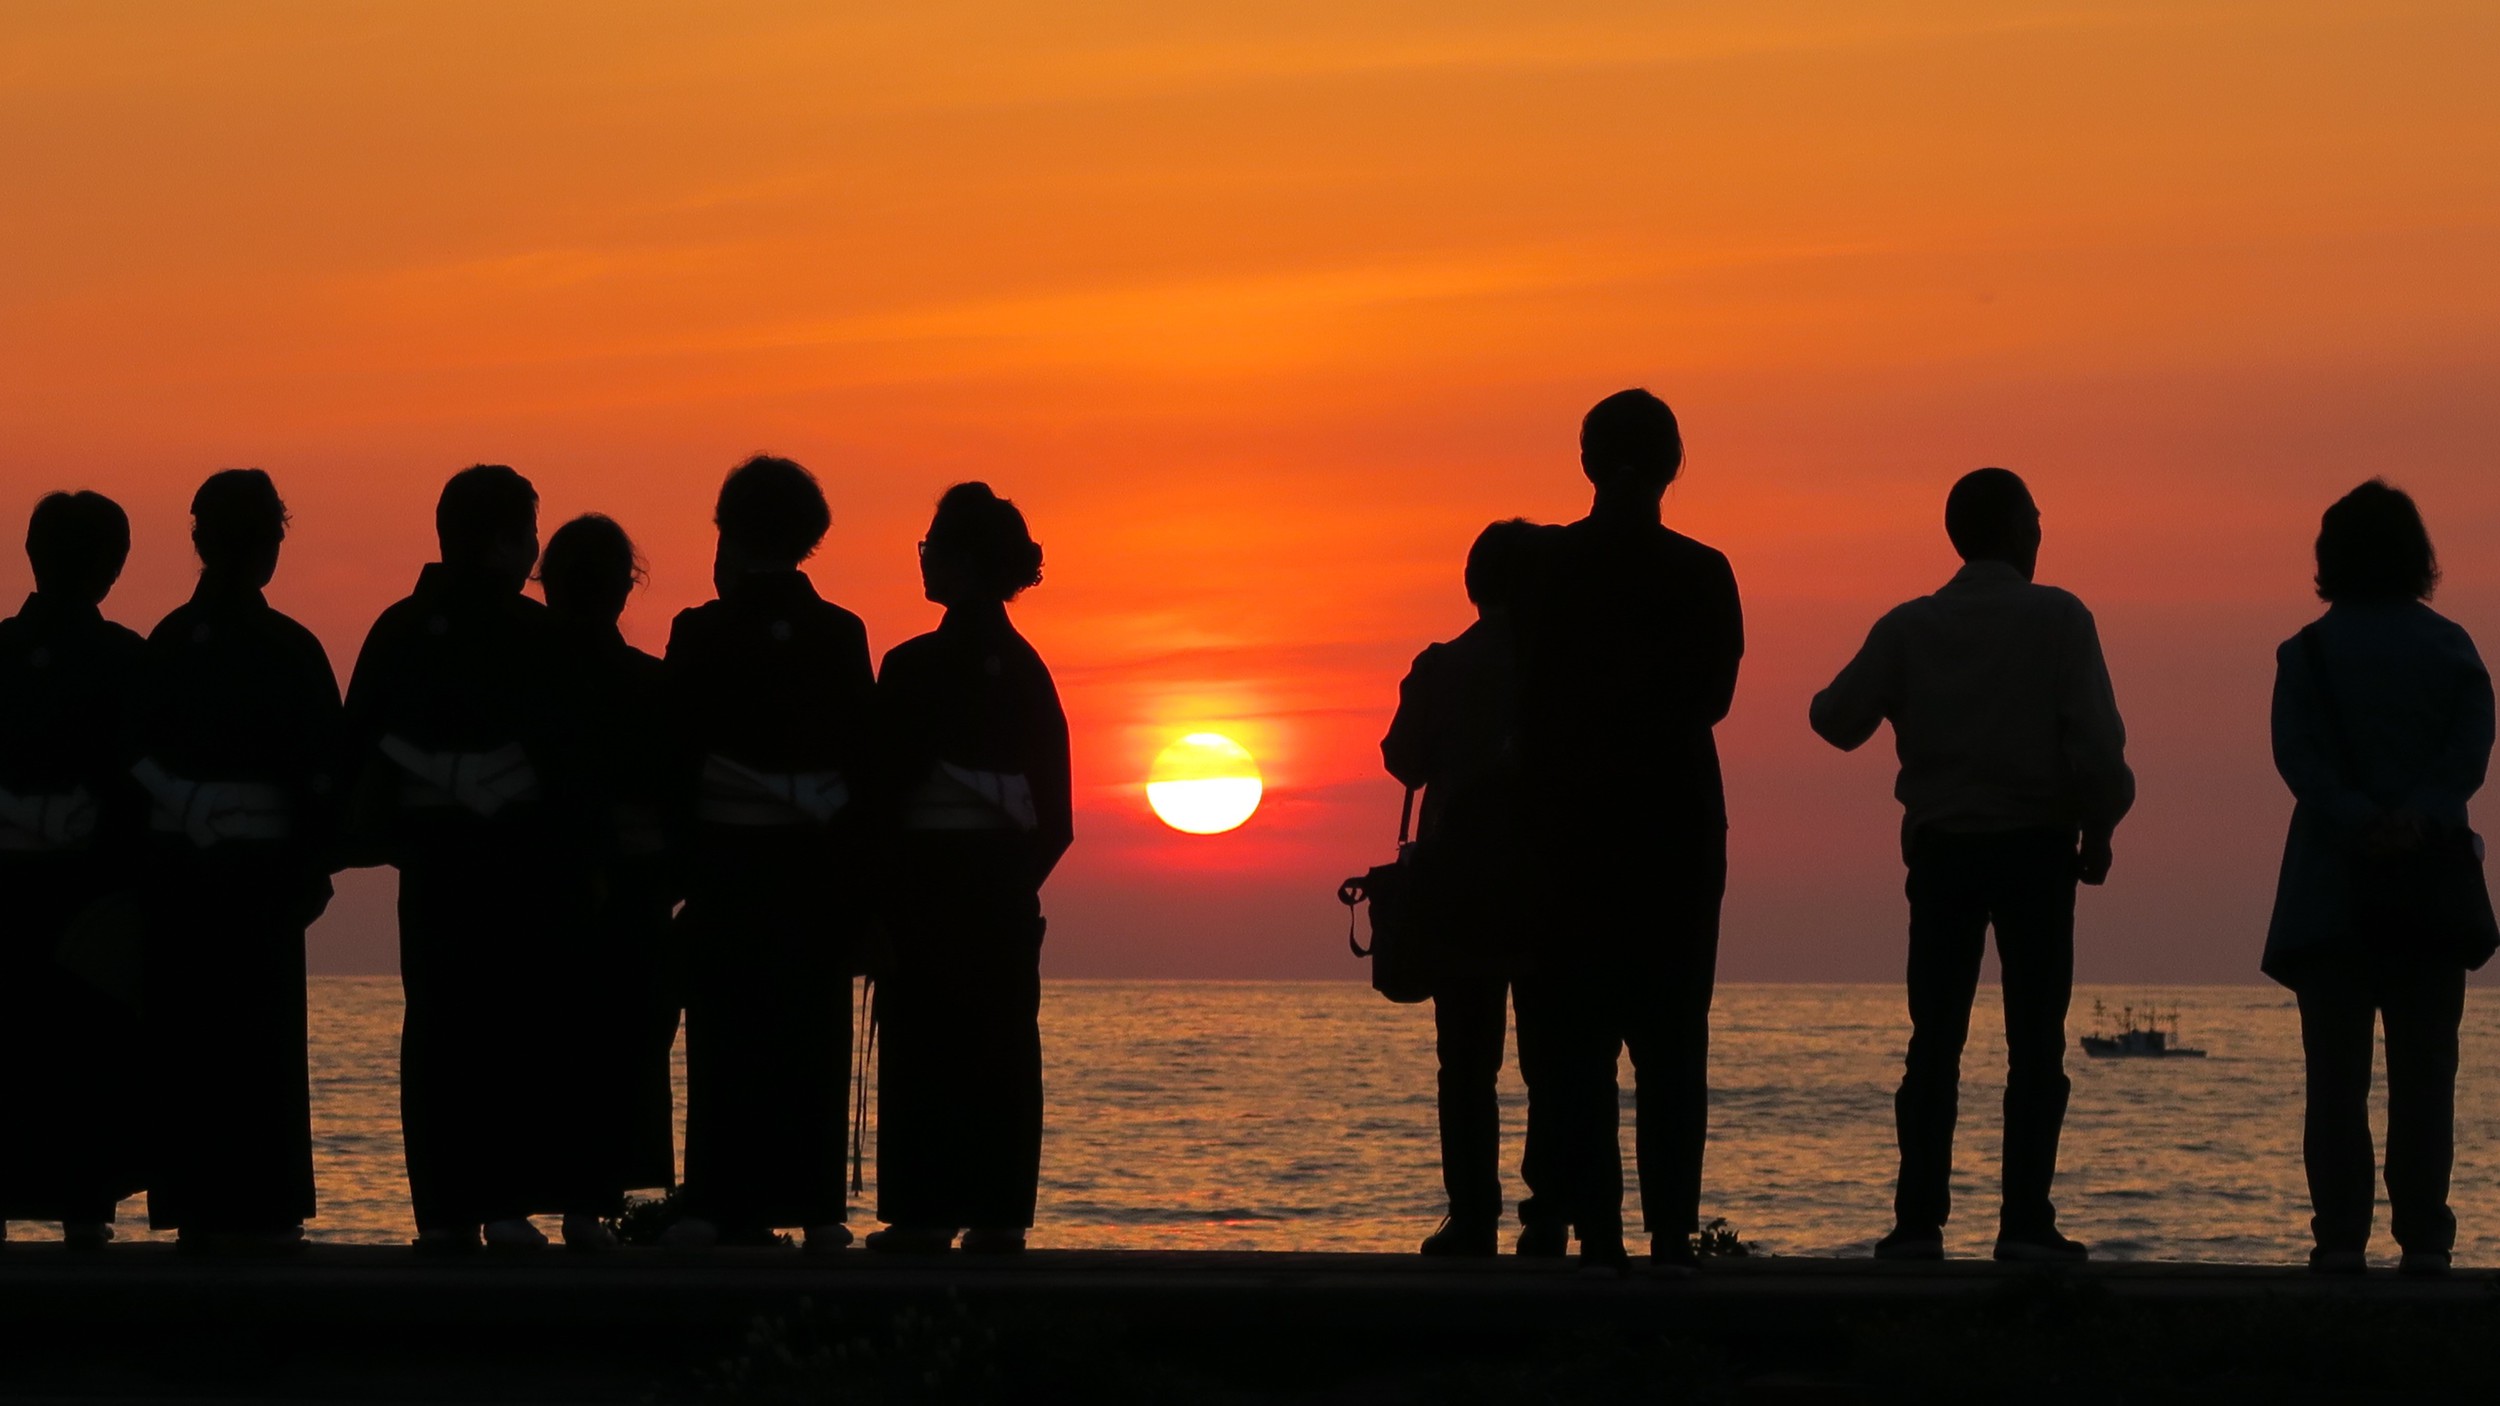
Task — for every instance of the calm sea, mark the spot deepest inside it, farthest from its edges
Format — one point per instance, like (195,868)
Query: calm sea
(1298,1116)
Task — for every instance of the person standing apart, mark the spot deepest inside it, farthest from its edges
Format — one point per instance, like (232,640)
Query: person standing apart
(614,699)
(773,697)
(464,783)
(1454,738)
(1630,637)
(239,735)
(978,747)
(2013,779)
(68,917)
(2383,731)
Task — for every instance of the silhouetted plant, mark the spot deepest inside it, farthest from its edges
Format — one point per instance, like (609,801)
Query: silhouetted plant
(645,1218)
(818,1355)
(1719,1240)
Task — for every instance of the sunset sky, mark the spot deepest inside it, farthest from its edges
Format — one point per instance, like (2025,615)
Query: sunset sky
(1261,310)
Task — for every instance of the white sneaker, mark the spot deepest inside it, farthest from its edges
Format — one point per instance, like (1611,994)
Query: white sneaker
(586,1234)
(692,1233)
(514,1234)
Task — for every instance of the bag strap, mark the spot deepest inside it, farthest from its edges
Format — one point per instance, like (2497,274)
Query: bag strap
(1406,818)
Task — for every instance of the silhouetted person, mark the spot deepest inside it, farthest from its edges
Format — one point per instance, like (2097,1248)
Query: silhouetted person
(978,748)
(773,690)
(2013,778)
(2383,731)
(1455,737)
(455,725)
(1629,642)
(68,922)
(614,698)
(239,741)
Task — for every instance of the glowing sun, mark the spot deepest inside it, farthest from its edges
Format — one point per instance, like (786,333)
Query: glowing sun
(1204,784)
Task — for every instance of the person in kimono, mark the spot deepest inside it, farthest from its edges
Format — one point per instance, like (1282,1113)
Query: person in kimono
(463,761)
(239,727)
(978,750)
(614,700)
(68,924)
(771,688)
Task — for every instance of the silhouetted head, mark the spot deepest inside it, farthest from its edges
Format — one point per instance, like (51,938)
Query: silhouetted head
(978,549)
(1630,446)
(487,524)
(1497,564)
(237,524)
(2373,547)
(1990,517)
(589,568)
(77,543)
(771,515)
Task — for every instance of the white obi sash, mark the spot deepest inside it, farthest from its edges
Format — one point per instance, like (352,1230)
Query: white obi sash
(481,783)
(958,798)
(38,823)
(206,812)
(736,794)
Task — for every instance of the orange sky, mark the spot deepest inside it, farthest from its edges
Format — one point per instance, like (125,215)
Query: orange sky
(1262,309)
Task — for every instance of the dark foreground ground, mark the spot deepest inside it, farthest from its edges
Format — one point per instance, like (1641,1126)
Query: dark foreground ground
(140,1323)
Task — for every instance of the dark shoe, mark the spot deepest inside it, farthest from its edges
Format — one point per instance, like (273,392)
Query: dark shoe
(1605,1256)
(2325,1261)
(1544,1240)
(444,1240)
(990,1241)
(1911,1243)
(86,1235)
(827,1238)
(2424,1264)
(1463,1238)
(2044,1246)
(1672,1258)
(911,1240)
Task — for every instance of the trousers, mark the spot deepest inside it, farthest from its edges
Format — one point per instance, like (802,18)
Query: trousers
(1636,976)
(2022,883)
(2343,997)
(1470,1016)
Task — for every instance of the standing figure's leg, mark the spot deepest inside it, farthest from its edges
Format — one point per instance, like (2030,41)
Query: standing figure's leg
(1578,1169)
(1948,934)
(2034,903)
(2338,1019)
(2423,1009)
(1468,1014)
(1666,1024)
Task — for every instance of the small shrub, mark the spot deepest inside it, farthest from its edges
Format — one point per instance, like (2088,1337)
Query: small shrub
(1719,1241)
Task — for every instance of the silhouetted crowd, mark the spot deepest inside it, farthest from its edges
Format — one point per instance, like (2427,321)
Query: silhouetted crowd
(589,841)
(1572,855)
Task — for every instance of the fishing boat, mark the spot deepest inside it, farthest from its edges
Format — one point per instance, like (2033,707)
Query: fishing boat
(2135,1039)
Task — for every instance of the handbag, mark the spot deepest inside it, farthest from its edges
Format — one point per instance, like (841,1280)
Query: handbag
(1400,951)
(2429,901)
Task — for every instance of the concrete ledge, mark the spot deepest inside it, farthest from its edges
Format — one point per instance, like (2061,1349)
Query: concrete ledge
(142,1322)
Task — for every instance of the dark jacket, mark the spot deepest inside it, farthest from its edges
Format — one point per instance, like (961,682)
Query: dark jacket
(68,677)
(774,677)
(972,693)
(1630,638)
(234,691)
(2415,703)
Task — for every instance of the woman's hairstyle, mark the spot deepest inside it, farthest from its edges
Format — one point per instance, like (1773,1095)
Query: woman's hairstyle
(2372,546)
(772,508)
(591,556)
(1497,564)
(987,535)
(236,514)
(77,542)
